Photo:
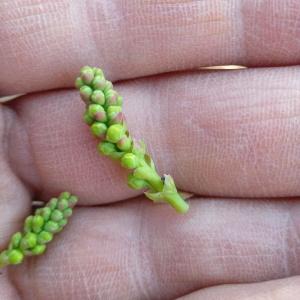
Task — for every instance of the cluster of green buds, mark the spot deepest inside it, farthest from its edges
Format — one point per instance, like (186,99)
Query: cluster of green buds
(107,122)
(39,230)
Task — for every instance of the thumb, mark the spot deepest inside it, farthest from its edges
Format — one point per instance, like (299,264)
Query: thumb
(281,289)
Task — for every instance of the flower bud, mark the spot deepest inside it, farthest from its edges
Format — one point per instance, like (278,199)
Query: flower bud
(38,250)
(79,83)
(106,148)
(115,133)
(27,225)
(15,240)
(99,129)
(118,119)
(44,237)
(97,112)
(98,72)
(87,119)
(124,143)
(64,195)
(62,204)
(112,111)
(108,86)
(98,97)
(51,226)
(37,223)
(99,83)
(15,257)
(129,161)
(72,201)
(62,223)
(57,215)
(52,203)
(85,93)
(87,74)
(45,213)
(28,241)
(135,183)
(111,97)
(67,213)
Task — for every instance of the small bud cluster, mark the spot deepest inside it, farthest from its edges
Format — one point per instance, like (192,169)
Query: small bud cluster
(104,116)
(39,230)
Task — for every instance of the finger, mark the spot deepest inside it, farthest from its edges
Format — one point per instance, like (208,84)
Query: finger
(43,46)
(230,134)
(14,197)
(14,201)
(136,250)
(280,289)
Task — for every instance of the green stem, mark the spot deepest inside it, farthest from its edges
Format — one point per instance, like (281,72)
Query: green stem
(177,202)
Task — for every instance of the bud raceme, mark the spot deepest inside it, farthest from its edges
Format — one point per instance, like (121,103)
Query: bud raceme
(105,117)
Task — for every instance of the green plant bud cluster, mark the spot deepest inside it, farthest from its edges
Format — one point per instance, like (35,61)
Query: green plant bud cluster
(104,115)
(39,230)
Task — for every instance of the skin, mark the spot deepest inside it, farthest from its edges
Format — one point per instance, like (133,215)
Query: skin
(230,137)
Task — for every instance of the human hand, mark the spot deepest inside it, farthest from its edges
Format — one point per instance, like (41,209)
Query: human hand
(231,136)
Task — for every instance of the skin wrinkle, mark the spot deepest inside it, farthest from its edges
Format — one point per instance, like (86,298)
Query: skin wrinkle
(209,32)
(141,262)
(219,125)
(287,289)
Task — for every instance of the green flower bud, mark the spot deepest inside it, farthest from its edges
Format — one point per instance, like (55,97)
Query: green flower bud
(51,226)
(97,112)
(129,161)
(63,204)
(27,225)
(57,215)
(37,231)
(52,203)
(124,143)
(37,223)
(64,195)
(117,119)
(98,72)
(116,155)
(85,93)
(15,240)
(67,213)
(108,86)
(44,237)
(98,97)
(72,201)
(79,82)
(38,250)
(28,241)
(99,83)
(87,74)
(111,97)
(115,133)
(106,148)
(87,119)
(15,257)
(112,111)
(45,213)
(62,223)
(142,173)
(98,129)
(135,183)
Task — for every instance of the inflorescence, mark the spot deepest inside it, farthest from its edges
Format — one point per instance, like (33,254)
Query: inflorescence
(104,116)
(39,230)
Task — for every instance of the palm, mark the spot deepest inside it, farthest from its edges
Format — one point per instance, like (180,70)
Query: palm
(229,135)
